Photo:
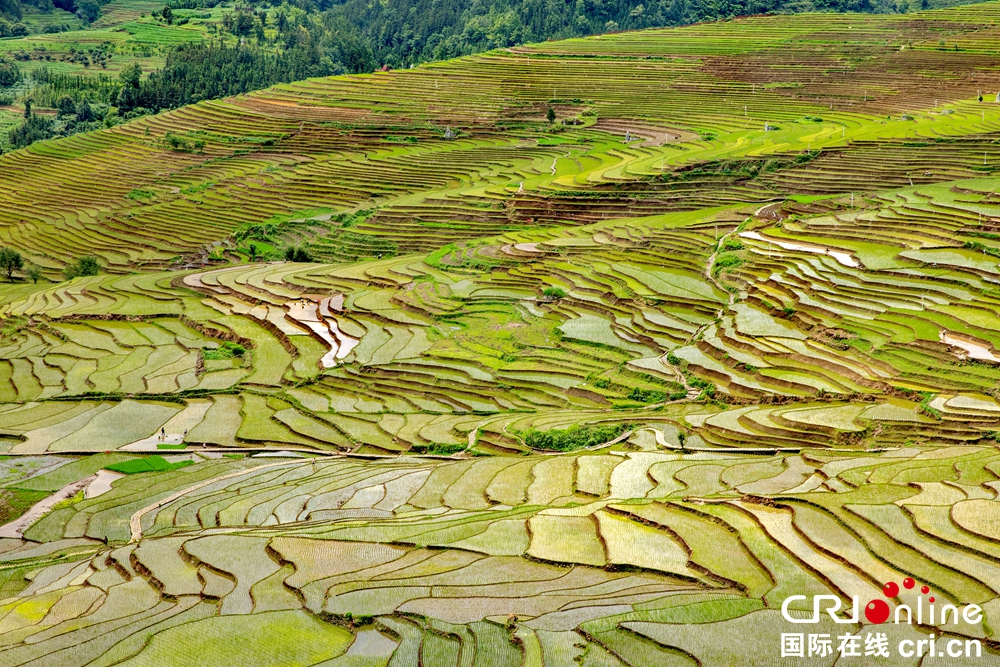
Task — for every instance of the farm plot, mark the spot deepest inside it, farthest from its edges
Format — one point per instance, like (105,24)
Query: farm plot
(304,542)
(545,394)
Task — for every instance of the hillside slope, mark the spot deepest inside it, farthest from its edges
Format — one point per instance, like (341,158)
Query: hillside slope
(591,352)
(145,193)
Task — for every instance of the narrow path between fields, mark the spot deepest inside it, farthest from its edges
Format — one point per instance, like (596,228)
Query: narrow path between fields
(695,392)
(17,527)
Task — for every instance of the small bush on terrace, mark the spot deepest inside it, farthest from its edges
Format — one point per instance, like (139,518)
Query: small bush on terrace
(181,145)
(575,437)
(227,350)
(438,448)
(553,293)
(255,252)
(657,396)
(707,388)
(260,231)
(83,266)
(725,262)
(293,254)
(732,243)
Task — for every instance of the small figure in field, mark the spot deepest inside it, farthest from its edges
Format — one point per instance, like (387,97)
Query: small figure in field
(184,437)
(628,136)
(163,434)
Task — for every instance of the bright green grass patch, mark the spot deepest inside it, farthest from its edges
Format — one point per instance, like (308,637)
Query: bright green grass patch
(69,473)
(146,464)
(159,34)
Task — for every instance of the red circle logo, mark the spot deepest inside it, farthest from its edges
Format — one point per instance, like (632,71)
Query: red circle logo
(877,611)
(891,589)
(908,583)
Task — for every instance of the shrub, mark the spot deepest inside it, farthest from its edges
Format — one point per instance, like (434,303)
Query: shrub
(726,261)
(8,29)
(261,231)
(438,448)
(228,350)
(575,437)
(293,254)
(647,395)
(732,243)
(83,266)
(925,405)
(554,293)
(707,388)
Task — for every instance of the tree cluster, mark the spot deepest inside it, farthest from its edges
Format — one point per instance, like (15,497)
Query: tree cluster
(293,254)
(205,71)
(12,262)
(12,29)
(10,74)
(33,128)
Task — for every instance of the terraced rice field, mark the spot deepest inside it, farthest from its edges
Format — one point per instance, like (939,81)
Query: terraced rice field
(548,396)
(126,32)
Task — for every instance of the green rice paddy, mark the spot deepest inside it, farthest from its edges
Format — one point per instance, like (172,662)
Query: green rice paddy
(545,396)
